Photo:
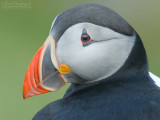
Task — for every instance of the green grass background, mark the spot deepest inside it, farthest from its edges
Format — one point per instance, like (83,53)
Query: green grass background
(23,31)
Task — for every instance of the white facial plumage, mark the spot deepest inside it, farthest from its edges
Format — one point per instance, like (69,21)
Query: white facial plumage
(97,61)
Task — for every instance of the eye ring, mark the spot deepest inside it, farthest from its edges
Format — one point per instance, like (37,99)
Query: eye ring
(85,38)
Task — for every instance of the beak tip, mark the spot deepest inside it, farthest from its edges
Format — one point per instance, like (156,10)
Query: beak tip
(24,97)
(26,90)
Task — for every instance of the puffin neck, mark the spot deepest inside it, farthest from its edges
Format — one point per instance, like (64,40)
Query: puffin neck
(133,73)
(137,61)
(138,81)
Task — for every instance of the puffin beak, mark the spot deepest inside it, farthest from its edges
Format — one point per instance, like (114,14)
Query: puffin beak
(44,72)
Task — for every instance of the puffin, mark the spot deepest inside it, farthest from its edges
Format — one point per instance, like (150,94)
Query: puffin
(103,57)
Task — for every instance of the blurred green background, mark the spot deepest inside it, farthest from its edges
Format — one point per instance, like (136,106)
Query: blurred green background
(25,24)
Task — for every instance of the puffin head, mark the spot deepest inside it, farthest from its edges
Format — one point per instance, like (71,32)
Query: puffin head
(86,43)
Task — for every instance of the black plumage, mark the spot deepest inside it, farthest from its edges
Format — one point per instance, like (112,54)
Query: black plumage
(132,98)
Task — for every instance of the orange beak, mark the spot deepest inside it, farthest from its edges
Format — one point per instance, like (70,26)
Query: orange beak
(44,73)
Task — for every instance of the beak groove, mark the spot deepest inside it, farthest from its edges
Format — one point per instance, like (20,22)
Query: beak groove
(32,84)
(43,74)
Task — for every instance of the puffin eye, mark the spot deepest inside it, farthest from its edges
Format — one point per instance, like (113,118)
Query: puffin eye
(85,38)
